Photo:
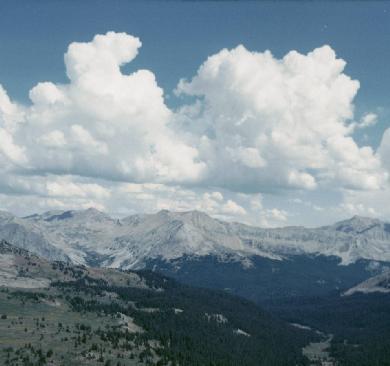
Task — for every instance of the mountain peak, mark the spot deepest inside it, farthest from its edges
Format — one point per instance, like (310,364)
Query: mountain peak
(193,215)
(362,218)
(88,214)
(357,219)
(91,212)
(163,212)
(357,224)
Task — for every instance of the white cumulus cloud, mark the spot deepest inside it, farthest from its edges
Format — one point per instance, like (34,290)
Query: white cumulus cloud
(257,125)
(266,123)
(102,124)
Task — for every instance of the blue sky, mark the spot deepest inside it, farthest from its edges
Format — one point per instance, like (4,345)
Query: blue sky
(177,37)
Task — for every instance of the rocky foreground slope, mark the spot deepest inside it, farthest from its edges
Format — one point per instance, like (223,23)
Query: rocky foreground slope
(55,313)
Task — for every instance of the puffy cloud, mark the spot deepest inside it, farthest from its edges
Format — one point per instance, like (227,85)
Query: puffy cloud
(368,120)
(9,149)
(28,194)
(264,123)
(226,205)
(258,124)
(103,56)
(85,140)
(366,203)
(46,93)
(54,139)
(359,208)
(384,149)
(10,115)
(67,188)
(102,124)
(274,215)
(371,203)
(152,197)
(311,205)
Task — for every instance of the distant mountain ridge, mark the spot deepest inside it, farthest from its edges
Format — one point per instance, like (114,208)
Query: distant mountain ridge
(94,238)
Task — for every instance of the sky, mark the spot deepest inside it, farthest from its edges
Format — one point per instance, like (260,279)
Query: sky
(269,113)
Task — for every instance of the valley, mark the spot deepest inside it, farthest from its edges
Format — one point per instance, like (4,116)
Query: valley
(184,288)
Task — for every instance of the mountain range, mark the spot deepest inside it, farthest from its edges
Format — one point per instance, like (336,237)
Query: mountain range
(94,238)
(331,279)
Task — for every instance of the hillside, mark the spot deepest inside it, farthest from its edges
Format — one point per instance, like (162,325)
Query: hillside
(65,314)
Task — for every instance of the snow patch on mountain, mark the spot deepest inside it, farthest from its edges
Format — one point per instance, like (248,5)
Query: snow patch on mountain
(379,283)
(241,332)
